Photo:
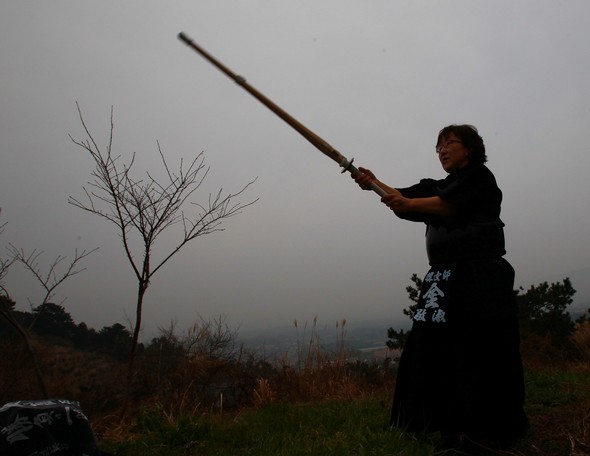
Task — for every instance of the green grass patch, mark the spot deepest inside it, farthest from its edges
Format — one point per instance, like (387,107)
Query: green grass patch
(557,388)
(557,403)
(326,428)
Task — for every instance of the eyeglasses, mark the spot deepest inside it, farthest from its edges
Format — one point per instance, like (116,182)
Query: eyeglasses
(446,144)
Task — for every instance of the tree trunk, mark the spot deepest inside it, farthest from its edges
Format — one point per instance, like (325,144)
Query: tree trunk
(143,284)
(6,313)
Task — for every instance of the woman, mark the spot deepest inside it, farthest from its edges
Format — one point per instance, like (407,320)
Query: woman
(460,372)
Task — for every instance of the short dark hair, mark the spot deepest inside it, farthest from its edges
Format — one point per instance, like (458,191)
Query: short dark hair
(470,138)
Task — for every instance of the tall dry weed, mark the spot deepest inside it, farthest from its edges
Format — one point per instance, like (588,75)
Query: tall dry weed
(263,394)
(318,373)
(581,339)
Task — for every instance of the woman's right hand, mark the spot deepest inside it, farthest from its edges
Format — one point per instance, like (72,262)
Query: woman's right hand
(365,178)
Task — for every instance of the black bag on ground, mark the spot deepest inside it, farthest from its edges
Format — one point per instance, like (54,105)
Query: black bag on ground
(45,428)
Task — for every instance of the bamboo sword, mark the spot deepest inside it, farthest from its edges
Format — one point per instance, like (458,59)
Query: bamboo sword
(318,142)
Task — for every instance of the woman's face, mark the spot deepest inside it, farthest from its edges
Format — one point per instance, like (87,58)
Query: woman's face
(453,155)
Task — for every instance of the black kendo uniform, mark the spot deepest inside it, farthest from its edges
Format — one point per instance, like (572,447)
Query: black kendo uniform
(461,370)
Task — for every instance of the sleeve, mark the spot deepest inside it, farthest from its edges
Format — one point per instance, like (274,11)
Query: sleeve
(423,189)
(473,191)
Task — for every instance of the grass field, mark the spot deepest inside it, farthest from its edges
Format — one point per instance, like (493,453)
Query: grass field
(558,404)
(316,404)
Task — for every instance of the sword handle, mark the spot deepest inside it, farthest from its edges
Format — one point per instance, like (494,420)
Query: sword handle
(348,166)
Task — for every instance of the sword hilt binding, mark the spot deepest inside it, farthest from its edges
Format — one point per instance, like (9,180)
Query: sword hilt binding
(346,165)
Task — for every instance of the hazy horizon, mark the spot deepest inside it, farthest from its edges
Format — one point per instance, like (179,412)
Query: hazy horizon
(377,80)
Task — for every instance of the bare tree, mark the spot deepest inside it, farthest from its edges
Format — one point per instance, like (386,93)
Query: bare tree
(148,207)
(49,281)
(4,263)
(6,311)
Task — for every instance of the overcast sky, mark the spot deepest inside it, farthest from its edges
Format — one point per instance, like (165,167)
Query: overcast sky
(376,79)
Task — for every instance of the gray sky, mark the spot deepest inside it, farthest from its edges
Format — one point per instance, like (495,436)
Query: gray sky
(376,79)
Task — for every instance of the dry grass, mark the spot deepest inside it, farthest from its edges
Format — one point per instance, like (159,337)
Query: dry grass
(558,390)
(538,352)
(92,379)
(581,339)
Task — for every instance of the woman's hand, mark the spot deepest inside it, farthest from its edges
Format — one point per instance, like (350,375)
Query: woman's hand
(365,179)
(395,201)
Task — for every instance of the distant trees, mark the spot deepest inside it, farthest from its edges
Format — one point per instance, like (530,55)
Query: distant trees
(144,208)
(543,311)
(114,341)
(52,319)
